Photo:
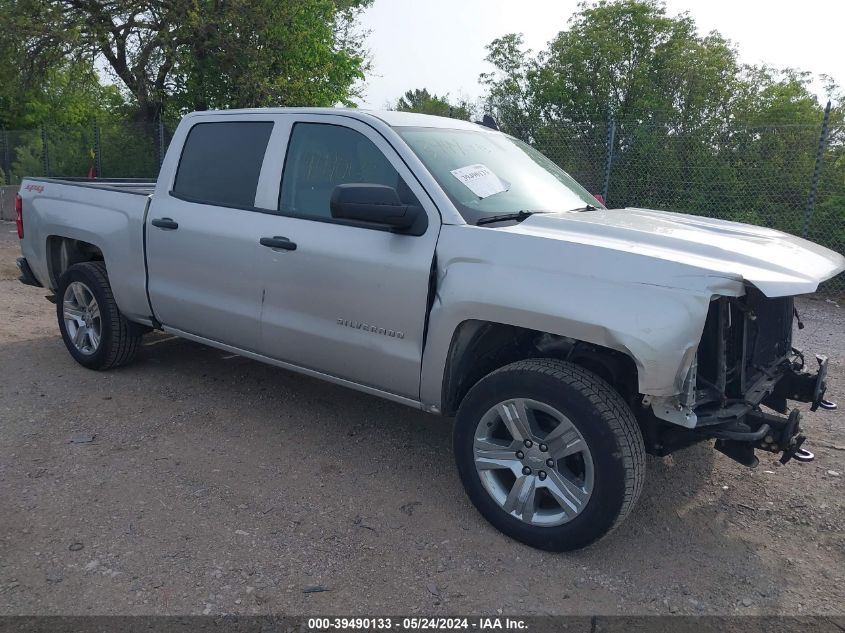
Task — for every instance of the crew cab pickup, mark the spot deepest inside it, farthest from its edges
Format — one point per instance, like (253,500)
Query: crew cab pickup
(450,267)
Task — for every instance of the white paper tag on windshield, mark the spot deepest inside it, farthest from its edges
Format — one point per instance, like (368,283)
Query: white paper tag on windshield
(480,180)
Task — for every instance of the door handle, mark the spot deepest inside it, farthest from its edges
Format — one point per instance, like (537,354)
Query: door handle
(277,241)
(165,223)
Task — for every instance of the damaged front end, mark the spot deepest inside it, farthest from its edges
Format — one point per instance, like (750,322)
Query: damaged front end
(745,361)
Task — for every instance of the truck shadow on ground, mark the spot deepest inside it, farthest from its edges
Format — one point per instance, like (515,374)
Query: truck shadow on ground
(377,464)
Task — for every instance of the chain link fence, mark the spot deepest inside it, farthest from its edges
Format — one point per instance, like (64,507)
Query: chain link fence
(108,150)
(784,176)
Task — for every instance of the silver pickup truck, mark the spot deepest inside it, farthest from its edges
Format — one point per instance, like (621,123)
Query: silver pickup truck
(449,267)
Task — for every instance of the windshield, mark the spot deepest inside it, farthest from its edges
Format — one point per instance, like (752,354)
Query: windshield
(486,174)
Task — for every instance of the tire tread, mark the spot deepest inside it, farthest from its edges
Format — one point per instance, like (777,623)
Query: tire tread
(125,336)
(613,409)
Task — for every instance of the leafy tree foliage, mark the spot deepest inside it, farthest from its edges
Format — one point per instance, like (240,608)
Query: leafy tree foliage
(251,53)
(693,129)
(197,54)
(422,101)
(65,94)
(66,101)
(160,59)
(510,86)
(627,59)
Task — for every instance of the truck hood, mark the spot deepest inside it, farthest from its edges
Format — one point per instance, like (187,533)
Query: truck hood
(777,263)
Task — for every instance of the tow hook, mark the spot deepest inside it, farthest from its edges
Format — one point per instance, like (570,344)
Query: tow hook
(764,431)
(795,451)
(803,455)
(821,386)
(791,440)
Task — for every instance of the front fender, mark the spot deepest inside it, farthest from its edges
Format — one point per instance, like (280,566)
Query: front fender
(583,295)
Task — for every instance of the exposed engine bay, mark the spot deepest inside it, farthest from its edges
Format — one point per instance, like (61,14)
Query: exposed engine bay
(745,362)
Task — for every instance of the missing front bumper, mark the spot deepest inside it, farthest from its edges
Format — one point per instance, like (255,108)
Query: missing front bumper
(741,427)
(758,430)
(762,431)
(801,386)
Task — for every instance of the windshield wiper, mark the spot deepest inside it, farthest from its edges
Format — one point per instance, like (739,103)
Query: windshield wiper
(587,207)
(505,217)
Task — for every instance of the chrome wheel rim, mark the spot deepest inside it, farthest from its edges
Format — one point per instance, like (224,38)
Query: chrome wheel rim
(533,462)
(81,315)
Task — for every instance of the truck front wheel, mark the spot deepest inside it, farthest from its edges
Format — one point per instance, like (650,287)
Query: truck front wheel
(549,453)
(95,333)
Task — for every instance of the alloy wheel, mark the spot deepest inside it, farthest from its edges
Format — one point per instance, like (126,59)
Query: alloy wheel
(533,462)
(81,315)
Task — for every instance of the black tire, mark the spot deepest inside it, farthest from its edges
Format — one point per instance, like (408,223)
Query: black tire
(603,419)
(119,337)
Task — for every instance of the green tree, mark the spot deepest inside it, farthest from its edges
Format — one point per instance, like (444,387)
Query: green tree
(27,161)
(626,58)
(422,101)
(630,58)
(510,87)
(65,101)
(66,95)
(693,129)
(200,54)
(250,53)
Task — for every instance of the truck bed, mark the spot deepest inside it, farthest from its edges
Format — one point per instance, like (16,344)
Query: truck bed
(140,186)
(107,214)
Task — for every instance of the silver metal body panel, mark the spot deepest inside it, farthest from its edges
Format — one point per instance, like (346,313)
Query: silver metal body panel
(633,280)
(349,301)
(204,277)
(110,219)
(652,312)
(291,367)
(777,263)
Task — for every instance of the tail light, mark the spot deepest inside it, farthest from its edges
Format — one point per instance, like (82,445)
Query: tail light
(19,215)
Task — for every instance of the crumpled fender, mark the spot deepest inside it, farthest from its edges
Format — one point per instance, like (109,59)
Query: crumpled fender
(651,310)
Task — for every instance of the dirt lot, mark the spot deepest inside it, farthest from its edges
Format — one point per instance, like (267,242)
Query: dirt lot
(214,484)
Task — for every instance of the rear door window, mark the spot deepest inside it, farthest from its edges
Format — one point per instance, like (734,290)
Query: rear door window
(221,162)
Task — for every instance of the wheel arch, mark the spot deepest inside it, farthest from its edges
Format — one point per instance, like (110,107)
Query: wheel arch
(481,347)
(63,252)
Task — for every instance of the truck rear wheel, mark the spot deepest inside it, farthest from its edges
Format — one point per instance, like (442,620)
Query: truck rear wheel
(549,453)
(95,333)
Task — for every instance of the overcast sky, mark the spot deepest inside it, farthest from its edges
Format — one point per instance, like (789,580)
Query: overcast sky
(439,44)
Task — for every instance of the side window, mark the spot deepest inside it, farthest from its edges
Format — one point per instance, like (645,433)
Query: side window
(320,157)
(221,162)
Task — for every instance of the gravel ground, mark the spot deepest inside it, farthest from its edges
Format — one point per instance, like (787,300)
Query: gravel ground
(197,482)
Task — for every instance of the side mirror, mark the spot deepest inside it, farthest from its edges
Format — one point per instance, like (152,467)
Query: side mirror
(377,204)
